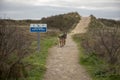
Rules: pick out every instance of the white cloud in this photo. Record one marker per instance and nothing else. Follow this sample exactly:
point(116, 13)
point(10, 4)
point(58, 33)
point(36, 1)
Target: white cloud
point(81, 4)
point(87, 6)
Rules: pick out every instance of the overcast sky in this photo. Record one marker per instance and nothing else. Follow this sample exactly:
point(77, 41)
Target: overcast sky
point(36, 9)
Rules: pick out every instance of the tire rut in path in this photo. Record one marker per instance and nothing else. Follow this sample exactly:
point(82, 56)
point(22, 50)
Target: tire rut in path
point(63, 63)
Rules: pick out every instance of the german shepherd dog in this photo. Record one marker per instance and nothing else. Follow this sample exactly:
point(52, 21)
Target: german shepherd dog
point(62, 39)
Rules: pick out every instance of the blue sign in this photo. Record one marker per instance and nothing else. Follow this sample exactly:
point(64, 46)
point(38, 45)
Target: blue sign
point(38, 27)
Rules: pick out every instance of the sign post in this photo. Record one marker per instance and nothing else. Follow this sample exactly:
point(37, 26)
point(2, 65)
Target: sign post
point(38, 41)
point(38, 28)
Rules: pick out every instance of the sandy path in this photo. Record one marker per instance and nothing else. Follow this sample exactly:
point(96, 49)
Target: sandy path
point(82, 25)
point(63, 63)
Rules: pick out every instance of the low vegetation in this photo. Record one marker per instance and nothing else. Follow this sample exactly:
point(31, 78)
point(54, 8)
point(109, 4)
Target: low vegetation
point(36, 62)
point(101, 48)
point(14, 45)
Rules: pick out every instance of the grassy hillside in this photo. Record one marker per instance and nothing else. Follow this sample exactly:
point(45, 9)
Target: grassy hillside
point(101, 48)
point(63, 22)
point(109, 22)
point(18, 22)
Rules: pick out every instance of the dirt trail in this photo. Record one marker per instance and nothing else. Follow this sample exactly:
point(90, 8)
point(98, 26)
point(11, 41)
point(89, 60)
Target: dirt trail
point(63, 63)
point(82, 25)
